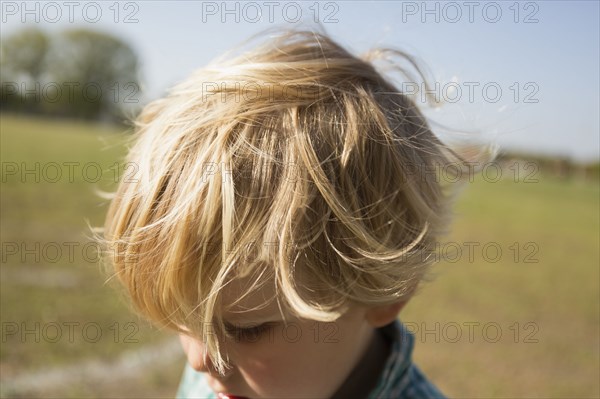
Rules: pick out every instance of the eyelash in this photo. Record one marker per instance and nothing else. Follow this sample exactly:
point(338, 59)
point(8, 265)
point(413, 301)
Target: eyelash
point(247, 334)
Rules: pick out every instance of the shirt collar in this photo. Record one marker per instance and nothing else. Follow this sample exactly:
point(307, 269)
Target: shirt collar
point(395, 375)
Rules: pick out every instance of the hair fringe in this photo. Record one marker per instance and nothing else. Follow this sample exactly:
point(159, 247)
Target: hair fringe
point(297, 144)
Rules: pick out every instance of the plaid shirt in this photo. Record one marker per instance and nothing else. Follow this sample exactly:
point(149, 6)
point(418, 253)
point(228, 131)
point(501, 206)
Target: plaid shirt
point(401, 379)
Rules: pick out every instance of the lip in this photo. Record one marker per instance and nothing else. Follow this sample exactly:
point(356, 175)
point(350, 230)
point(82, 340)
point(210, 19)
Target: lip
point(218, 388)
point(222, 395)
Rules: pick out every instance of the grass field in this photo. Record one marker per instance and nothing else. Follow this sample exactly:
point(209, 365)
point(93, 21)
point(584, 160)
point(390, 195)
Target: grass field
point(514, 314)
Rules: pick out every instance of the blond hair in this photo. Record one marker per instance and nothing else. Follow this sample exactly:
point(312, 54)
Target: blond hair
point(296, 163)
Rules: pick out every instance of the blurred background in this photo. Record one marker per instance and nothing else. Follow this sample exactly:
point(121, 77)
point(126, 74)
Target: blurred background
point(514, 310)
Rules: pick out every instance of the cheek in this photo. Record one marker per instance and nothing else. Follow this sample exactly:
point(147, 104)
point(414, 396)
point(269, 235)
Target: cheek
point(280, 365)
point(268, 366)
point(194, 352)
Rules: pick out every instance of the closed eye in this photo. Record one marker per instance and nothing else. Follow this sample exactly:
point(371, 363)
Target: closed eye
point(246, 334)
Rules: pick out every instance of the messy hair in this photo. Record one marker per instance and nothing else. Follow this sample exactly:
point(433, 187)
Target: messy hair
point(295, 163)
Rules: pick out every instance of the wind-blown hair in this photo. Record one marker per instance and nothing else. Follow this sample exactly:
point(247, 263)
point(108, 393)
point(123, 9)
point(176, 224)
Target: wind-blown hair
point(296, 163)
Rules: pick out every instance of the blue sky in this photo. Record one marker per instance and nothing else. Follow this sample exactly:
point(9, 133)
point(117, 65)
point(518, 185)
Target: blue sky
point(552, 59)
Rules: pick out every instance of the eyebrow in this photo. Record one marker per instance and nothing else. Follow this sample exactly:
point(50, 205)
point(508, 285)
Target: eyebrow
point(250, 320)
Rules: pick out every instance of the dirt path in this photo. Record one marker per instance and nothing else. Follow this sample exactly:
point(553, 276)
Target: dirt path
point(127, 366)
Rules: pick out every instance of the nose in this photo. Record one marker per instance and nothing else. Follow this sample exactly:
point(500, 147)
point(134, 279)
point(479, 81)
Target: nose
point(196, 354)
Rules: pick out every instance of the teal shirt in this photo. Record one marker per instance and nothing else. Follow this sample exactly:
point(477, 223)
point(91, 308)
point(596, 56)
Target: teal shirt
point(400, 378)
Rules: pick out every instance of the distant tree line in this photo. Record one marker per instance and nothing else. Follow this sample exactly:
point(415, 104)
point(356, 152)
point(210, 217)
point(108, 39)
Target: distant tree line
point(75, 73)
point(531, 167)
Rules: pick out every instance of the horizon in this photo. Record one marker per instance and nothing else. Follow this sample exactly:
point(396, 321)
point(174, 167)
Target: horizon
point(513, 77)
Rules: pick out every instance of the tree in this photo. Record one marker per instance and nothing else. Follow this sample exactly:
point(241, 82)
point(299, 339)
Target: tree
point(25, 53)
point(101, 69)
point(81, 73)
point(22, 60)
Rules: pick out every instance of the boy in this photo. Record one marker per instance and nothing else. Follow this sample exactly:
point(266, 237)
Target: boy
point(282, 216)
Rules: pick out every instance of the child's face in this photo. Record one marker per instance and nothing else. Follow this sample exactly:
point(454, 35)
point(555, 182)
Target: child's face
point(306, 359)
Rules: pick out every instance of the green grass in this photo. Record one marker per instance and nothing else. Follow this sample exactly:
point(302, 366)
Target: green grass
point(559, 294)
point(64, 285)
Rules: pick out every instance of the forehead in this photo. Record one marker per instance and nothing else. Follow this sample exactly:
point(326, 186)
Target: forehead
point(245, 301)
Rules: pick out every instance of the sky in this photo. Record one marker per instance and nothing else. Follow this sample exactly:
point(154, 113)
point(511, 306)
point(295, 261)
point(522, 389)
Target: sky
point(522, 74)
